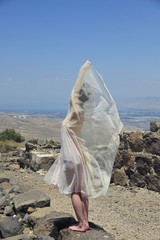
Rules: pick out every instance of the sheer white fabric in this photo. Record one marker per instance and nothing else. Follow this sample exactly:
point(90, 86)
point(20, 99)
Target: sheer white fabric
point(89, 138)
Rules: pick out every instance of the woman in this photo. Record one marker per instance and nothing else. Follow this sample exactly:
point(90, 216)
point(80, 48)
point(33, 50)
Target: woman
point(89, 142)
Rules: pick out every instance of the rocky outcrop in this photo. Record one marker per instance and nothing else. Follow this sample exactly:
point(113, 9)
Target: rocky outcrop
point(95, 233)
point(138, 159)
point(39, 156)
point(56, 225)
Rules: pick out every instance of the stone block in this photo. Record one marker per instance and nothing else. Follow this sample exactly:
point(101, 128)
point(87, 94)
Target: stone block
point(38, 214)
point(9, 226)
point(30, 146)
point(45, 213)
point(41, 160)
point(31, 198)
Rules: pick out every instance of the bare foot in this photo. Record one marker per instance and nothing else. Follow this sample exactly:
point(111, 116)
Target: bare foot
point(79, 228)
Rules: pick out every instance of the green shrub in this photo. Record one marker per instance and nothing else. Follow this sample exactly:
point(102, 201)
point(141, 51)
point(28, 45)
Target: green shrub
point(6, 148)
point(11, 134)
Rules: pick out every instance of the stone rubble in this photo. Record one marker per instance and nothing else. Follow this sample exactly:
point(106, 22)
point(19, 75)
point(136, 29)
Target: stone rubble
point(27, 215)
point(137, 162)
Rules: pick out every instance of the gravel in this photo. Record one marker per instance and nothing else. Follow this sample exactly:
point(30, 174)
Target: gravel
point(126, 214)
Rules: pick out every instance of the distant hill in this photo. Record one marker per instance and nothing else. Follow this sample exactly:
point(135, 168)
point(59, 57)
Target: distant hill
point(145, 103)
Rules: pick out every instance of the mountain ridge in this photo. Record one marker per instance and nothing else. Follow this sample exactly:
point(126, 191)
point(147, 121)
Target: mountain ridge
point(145, 103)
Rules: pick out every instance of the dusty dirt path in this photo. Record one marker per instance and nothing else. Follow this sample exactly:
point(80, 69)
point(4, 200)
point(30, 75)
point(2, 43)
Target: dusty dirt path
point(127, 214)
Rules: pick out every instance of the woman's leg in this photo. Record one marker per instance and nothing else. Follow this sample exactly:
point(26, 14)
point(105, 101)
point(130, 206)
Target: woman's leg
point(81, 209)
point(86, 205)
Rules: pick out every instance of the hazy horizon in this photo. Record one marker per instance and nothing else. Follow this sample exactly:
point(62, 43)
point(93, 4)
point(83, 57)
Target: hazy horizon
point(143, 103)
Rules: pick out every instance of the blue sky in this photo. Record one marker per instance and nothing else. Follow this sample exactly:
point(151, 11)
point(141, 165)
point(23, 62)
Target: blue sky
point(43, 44)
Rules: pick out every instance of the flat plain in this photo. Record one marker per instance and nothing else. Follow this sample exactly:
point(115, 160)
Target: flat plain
point(38, 127)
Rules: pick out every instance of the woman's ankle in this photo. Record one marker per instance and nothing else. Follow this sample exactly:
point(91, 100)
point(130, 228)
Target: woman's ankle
point(84, 223)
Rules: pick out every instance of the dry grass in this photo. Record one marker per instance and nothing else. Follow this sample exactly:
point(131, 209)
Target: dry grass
point(11, 143)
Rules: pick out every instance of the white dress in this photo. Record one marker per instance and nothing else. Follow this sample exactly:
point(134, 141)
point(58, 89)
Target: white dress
point(89, 138)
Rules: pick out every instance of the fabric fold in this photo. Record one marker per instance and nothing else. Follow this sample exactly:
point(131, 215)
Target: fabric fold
point(89, 138)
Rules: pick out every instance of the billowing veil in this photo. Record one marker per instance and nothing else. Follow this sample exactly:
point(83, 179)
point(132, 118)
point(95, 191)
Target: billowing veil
point(89, 138)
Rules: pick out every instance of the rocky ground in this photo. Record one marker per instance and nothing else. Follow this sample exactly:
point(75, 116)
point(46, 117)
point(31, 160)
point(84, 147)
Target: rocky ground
point(126, 214)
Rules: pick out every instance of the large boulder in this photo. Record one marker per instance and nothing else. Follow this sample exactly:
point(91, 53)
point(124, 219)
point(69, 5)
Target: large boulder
point(28, 199)
point(95, 233)
point(56, 225)
point(51, 224)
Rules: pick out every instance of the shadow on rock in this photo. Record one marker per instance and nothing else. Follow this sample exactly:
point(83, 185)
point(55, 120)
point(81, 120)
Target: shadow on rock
point(57, 228)
point(94, 233)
